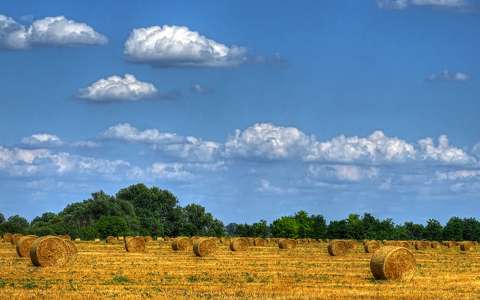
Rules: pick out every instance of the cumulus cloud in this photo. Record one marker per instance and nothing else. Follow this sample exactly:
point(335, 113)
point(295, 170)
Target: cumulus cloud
point(117, 88)
point(402, 4)
point(26, 162)
point(449, 76)
point(43, 140)
point(178, 46)
point(186, 147)
point(443, 152)
point(50, 31)
point(264, 140)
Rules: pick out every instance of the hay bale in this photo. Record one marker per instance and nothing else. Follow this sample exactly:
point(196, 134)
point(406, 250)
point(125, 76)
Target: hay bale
point(239, 244)
point(7, 237)
point(181, 244)
point(15, 238)
point(160, 239)
point(434, 245)
point(371, 246)
point(467, 246)
point(49, 251)
point(421, 245)
point(204, 247)
point(77, 240)
point(23, 245)
point(111, 240)
point(135, 244)
point(393, 263)
point(65, 237)
point(287, 243)
point(338, 247)
point(352, 245)
point(148, 239)
point(259, 242)
point(71, 250)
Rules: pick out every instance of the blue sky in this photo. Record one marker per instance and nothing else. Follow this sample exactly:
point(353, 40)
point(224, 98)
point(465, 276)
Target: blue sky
point(252, 109)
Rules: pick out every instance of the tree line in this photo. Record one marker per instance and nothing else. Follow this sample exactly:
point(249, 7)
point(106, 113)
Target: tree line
point(139, 210)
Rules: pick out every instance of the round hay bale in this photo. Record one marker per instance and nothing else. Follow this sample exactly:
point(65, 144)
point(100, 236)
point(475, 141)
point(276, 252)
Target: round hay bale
point(371, 246)
point(96, 240)
point(467, 246)
point(287, 244)
point(77, 240)
point(337, 248)
point(147, 238)
point(160, 239)
point(204, 247)
point(65, 237)
point(434, 245)
point(260, 242)
point(181, 244)
point(110, 240)
point(239, 244)
point(71, 250)
point(15, 238)
point(7, 237)
point(352, 245)
point(135, 244)
point(421, 245)
point(393, 263)
point(23, 245)
point(49, 251)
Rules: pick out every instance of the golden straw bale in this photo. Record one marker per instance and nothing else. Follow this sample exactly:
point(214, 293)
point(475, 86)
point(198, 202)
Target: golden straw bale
point(422, 245)
point(147, 238)
point(49, 251)
point(287, 243)
point(23, 245)
point(435, 245)
point(393, 263)
point(239, 244)
point(371, 246)
point(135, 244)
point(337, 247)
point(7, 237)
point(467, 246)
point(71, 250)
point(204, 247)
point(181, 244)
point(260, 242)
point(15, 237)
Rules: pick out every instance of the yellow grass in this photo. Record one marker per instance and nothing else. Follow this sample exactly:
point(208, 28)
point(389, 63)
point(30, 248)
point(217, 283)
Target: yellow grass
point(306, 272)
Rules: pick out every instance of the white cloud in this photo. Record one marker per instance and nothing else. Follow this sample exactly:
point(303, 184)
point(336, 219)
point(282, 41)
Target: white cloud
point(200, 89)
point(346, 173)
point(178, 46)
point(171, 171)
point(458, 175)
point(126, 88)
point(26, 162)
point(265, 186)
point(50, 31)
point(264, 140)
point(42, 139)
point(375, 148)
point(449, 76)
point(85, 144)
point(188, 148)
point(443, 152)
point(402, 4)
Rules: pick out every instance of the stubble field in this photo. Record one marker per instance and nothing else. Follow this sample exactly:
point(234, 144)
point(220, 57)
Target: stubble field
point(306, 272)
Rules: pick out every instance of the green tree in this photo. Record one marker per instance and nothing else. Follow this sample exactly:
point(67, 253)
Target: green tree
point(196, 221)
point(319, 227)
point(16, 224)
point(337, 230)
point(112, 225)
point(453, 230)
point(471, 229)
point(261, 229)
point(286, 227)
point(433, 230)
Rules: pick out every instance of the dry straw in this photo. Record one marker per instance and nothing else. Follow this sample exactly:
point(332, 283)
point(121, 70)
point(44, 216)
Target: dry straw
point(287, 244)
point(7, 237)
point(147, 238)
point(467, 246)
point(260, 242)
point(393, 263)
point(371, 246)
point(49, 251)
point(422, 245)
point(135, 244)
point(181, 244)
point(435, 245)
point(15, 238)
point(71, 250)
point(204, 247)
point(239, 244)
point(338, 247)
point(111, 240)
point(23, 245)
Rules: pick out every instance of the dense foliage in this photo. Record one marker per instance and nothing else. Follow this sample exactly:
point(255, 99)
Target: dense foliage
point(139, 210)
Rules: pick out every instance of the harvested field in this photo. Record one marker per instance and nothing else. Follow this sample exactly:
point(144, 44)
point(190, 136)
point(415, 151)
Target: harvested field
point(104, 270)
